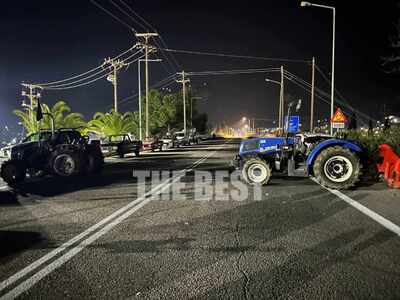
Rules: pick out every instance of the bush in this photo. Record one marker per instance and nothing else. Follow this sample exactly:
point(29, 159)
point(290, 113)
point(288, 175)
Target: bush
point(371, 142)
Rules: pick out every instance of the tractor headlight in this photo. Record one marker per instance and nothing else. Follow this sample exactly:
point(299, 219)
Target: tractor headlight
point(5, 152)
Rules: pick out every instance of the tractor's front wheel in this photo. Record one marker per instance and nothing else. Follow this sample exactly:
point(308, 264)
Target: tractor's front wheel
point(65, 162)
point(13, 172)
point(256, 172)
point(337, 168)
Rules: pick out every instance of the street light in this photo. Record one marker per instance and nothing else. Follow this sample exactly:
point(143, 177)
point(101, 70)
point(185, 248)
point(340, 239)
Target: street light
point(273, 81)
point(307, 4)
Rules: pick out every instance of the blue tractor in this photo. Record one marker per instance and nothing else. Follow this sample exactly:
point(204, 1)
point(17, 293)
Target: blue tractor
point(335, 163)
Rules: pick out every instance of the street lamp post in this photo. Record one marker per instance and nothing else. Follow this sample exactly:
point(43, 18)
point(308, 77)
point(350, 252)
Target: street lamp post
point(306, 4)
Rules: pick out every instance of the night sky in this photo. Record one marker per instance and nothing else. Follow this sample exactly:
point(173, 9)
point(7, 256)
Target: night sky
point(52, 40)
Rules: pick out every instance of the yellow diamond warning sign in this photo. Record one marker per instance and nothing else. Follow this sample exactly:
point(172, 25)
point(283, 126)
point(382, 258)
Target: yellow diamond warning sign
point(339, 117)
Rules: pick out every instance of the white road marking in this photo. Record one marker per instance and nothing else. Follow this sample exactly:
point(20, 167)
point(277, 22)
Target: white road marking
point(366, 211)
point(3, 188)
point(118, 216)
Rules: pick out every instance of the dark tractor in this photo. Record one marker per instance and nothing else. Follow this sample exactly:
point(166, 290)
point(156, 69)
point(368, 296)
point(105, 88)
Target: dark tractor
point(335, 163)
point(62, 152)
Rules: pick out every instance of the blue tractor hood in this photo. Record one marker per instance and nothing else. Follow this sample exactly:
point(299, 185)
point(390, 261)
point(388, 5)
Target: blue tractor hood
point(263, 145)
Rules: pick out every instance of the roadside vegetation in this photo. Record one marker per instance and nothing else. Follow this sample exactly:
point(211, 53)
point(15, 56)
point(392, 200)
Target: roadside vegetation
point(165, 113)
point(63, 117)
point(371, 141)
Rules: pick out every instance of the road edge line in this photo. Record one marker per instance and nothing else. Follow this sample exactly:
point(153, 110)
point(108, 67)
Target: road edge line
point(389, 225)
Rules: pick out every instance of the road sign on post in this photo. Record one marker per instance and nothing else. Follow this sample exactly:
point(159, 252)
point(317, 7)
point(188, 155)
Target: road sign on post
point(293, 126)
point(338, 120)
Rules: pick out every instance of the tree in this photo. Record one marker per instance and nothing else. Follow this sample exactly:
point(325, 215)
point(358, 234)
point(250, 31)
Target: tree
point(61, 112)
point(114, 123)
point(353, 122)
point(391, 62)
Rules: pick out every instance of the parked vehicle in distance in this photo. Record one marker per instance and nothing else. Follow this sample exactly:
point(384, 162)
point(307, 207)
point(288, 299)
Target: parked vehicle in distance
point(194, 138)
point(181, 139)
point(168, 141)
point(152, 144)
point(63, 152)
point(120, 144)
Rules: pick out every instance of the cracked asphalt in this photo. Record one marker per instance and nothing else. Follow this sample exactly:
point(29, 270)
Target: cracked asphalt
point(291, 240)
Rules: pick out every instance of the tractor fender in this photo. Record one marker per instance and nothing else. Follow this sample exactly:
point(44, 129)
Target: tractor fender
point(348, 144)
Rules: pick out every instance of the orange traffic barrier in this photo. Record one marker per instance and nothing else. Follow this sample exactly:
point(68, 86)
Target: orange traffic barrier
point(390, 166)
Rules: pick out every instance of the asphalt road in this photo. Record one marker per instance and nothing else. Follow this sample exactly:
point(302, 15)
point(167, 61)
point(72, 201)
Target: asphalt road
point(96, 237)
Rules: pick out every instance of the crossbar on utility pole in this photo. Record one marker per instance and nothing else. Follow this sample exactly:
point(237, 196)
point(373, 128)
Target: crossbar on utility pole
point(183, 81)
point(146, 46)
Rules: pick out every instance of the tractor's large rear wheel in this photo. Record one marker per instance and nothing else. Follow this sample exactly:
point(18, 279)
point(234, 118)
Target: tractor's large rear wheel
point(256, 172)
point(337, 168)
point(13, 172)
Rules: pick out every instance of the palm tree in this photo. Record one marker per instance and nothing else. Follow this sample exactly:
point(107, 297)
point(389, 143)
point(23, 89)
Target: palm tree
point(61, 112)
point(114, 123)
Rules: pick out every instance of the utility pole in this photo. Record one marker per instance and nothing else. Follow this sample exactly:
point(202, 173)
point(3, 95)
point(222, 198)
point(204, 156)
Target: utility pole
point(147, 49)
point(281, 103)
point(32, 95)
point(115, 65)
point(140, 95)
point(183, 80)
point(140, 102)
point(312, 95)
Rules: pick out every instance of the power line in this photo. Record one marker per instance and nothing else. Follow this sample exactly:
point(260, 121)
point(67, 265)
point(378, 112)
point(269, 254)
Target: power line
point(149, 26)
point(328, 81)
point(138, 16)
point(236, 56)
point(112, 15)
point(340, 101)
point(305, 85)
point(82, 74)
point(90, 76)
point(233, 72)
point(91, 81)
point(124, 12)
point(162, 83)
